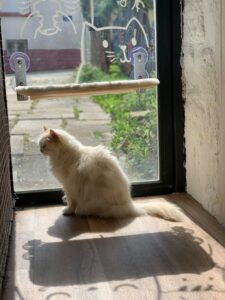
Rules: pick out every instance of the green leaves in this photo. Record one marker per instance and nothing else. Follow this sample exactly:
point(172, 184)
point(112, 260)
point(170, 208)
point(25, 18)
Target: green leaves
point(134, 122)
point(133, 135)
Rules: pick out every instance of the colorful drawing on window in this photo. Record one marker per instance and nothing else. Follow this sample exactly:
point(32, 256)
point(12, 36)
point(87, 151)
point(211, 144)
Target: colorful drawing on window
point(101, 45)
point(136, 5)
point(122, 3)
point(48, 25)
point(115, 41)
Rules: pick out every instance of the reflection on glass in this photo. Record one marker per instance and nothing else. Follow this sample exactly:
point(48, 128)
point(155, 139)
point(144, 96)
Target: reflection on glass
point(83, 41)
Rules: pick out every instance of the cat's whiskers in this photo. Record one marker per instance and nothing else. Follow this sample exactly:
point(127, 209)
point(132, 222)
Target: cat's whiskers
point(110, 55)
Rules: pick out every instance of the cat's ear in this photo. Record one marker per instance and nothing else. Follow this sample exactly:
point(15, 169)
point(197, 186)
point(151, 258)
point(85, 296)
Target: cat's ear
point(134, 23)
point(45, 128)
point(53, 134)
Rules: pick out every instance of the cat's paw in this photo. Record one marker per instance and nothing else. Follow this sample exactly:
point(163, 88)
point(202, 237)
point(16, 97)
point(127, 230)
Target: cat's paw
point(68, 211)
point(64, 199)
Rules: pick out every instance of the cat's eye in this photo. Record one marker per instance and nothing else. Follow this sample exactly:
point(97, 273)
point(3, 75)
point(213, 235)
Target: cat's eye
point(105, 44)
point(134, 41)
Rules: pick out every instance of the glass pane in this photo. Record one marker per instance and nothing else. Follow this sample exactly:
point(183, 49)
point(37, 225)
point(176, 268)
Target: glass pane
point(82, 41)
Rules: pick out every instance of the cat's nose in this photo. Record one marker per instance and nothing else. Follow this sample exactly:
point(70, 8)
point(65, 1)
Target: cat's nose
point(123, 47)
point(124, 59)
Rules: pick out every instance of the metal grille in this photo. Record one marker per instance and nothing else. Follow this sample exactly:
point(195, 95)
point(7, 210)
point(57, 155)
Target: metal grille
point(6, 199)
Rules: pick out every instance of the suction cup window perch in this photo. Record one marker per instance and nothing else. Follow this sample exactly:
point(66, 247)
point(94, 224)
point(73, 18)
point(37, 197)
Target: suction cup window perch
point(86, 89)
point(138, 83)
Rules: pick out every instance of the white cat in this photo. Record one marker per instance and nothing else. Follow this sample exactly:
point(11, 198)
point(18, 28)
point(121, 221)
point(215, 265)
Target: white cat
point(93, 181)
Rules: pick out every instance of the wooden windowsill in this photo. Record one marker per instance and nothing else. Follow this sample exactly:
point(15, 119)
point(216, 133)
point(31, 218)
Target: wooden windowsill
point(146, 257)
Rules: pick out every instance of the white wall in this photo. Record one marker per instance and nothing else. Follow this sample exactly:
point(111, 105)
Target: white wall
point(204, 93)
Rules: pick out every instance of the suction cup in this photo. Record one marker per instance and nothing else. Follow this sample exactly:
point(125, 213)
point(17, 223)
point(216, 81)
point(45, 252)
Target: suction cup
point(140, 50)
point(19, 55)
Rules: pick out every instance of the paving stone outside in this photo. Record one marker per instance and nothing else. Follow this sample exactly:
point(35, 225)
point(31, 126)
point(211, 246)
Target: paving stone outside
point(45, 115)
point(94, 116)
point(32, 173)
point(17, 144)
point(33, 128)
point(92, 133)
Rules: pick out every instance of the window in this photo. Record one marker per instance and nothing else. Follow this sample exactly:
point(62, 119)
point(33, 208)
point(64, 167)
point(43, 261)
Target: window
point(16, 46)
point(112, 40)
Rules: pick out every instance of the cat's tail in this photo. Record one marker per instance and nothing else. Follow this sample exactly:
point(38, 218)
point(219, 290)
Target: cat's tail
point(162, 209)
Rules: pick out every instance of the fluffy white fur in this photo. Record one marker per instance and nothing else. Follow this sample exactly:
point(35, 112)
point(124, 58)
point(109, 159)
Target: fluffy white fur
point(93, 181)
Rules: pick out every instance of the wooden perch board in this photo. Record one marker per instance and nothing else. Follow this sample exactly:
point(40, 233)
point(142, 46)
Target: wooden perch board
point(86, 89)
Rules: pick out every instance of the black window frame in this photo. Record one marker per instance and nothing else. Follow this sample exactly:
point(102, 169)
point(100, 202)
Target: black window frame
point(170, 112)
point(170, 102)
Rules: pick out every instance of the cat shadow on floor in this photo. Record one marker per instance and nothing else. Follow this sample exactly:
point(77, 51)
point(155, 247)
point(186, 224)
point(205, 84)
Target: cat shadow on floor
point(89, 260)
point(68, 227)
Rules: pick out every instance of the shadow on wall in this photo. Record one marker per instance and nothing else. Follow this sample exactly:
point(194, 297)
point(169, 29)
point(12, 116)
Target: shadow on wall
point(101, 259)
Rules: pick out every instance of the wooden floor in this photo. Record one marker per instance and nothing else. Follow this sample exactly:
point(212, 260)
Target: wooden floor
point(57, 257)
